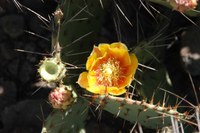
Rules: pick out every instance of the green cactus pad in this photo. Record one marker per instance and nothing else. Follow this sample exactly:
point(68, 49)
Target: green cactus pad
point(71, 120)
point(149, 115)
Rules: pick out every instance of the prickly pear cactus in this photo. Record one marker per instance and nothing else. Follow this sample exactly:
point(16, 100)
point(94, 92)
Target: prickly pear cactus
point(155, 113)
point(83, 21)
point(151, 115)
point(73, 21)
point(71, 120)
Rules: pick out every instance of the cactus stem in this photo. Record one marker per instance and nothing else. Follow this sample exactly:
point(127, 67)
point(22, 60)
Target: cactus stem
point(139, 111)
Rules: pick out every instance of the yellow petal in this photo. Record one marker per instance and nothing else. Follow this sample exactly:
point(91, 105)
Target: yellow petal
point(102, 90)
point(124, 81)
point(130, 69)
point(92, 80)
point(97, 52)
point(103, 47)
point(83, 80)
point(120, 55)
point(91, 86)
point(97, 89)
point(93, 56)
point(116, 91)
point(134, 63)
point(119, 45)
point(119, 51)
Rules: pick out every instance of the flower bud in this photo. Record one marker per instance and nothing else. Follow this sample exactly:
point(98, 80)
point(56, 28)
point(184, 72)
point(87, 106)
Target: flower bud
point(183, 5)
point(62, 97)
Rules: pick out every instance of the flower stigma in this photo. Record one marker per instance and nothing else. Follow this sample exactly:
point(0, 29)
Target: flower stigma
point(108, 73)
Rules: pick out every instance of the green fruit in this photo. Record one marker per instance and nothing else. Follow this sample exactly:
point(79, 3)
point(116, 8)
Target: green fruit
point(52, 70)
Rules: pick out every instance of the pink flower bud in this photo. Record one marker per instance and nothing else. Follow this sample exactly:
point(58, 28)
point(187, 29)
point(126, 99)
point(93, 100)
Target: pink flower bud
point(62, 97)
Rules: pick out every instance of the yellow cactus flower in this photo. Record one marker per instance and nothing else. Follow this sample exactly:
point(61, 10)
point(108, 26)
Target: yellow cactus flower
point(110, 68)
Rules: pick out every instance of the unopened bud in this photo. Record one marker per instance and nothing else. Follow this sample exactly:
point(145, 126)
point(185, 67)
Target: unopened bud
point(62, 97)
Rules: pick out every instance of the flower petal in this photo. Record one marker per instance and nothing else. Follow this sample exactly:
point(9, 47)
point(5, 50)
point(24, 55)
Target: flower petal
point(124, 81)
point(131, 69)
point(93, 56)
point(103, 47)
point(119, 45)
point(83, 80)
point(97, 89)
point(134, 63)
point(120, 54)
point(116, 91)
point(96, 53)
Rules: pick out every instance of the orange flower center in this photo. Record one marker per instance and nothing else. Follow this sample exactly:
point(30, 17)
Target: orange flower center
point(108, 73)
